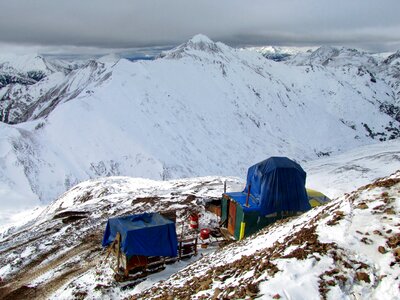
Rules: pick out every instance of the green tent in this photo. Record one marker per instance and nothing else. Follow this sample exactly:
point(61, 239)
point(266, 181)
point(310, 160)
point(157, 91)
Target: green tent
point(240, 220)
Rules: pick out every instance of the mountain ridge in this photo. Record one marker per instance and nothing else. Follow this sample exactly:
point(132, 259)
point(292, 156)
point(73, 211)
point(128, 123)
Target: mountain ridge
point(202, 108)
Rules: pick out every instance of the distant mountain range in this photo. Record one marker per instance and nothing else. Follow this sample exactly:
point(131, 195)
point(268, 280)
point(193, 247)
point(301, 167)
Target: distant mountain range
point(202, 108)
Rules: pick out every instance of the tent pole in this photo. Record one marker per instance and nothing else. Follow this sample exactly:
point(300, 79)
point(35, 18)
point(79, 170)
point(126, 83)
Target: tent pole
point(118, 239)
point(248, 196)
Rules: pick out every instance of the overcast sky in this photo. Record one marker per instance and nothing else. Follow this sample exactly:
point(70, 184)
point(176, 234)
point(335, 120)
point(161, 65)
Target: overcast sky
point(91, 25)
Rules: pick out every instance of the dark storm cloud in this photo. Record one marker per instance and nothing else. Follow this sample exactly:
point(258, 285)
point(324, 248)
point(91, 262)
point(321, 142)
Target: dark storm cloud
point(131, 23)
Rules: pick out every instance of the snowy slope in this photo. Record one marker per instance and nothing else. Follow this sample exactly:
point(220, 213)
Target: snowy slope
point(363, 165)
point(347, 248)
point(31, 86)
point(200, 109)
point(391, 70)
point(346, 61)
point(57, 253)
point(280, 53)
point(330, 56)
point(63, 242)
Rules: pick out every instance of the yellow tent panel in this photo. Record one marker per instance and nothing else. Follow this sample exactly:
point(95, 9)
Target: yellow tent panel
point(316, 198)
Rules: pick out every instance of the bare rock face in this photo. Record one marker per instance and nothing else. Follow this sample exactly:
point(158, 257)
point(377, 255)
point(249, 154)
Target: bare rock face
point(34, 94)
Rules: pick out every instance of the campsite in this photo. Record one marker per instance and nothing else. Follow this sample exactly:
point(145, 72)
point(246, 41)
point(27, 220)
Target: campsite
point(199, 150)
point(59, 255)
point(143, 243)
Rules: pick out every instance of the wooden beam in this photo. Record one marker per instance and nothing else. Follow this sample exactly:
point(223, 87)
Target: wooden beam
point(118, 244)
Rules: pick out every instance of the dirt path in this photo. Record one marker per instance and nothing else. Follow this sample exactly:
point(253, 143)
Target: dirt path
point(26, 242)
point(45, 290)
point(87, 255)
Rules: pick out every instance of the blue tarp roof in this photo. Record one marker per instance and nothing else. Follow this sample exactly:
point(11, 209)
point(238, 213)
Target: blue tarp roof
point(277, 184)
point(148, 234)
point(240, 197)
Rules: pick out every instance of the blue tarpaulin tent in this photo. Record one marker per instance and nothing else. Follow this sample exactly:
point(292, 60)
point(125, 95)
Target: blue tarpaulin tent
point(148, 234)
point(277, 190)
point(277, 184)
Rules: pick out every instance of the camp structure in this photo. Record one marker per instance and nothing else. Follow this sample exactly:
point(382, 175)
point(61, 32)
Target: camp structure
point(142, 243)
point(316, 198)
point(275, 189)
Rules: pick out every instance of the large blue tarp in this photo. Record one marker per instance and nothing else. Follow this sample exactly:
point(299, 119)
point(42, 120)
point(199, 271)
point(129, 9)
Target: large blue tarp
point(148, 234)
point(277, 184)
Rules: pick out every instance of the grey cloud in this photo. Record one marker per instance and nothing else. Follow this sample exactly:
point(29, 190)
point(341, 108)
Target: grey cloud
point(131, 23)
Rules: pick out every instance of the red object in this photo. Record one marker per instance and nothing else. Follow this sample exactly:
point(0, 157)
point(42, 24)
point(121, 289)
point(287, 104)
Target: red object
point(204, 233)
point(194, 221)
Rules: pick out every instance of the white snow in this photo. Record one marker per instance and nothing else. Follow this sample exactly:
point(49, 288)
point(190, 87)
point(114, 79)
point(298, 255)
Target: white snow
point(202, 109)
point(23, 63)
point(353, 239)
point(345, 172)
point(298, 279)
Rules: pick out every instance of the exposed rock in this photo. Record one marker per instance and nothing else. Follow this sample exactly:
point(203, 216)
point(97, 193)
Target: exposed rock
point(362, 205)
point(362, 276)
point(393, 241)
point(382, 249)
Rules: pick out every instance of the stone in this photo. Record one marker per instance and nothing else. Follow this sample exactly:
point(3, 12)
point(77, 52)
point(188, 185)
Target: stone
point(382, 249)
point(217, 291)
point(393, 241)
point(396, 252)
point(389, 211)
point(362, 276)
point(331, 282)
point(362, 205)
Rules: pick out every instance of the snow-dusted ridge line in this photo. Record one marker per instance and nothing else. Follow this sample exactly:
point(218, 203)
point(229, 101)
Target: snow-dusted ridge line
point(204, 108)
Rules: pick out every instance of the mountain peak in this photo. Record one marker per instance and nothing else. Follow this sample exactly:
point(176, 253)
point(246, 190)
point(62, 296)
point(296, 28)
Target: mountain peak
point(335, 57)
point(392, 57)
point(199, 42)
point(324, 53)
point(24, 62)
point(109, 58)
point(200, 38)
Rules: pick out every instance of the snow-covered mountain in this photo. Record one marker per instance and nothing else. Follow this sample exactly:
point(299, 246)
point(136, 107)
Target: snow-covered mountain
point(31, 85)
point(276, 53)
point(200, 109)
point(344, 60)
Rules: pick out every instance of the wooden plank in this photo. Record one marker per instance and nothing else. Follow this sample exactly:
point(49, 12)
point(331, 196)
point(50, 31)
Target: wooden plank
point(232, 217)
point(118, 245)
point(226, 233)
point(180, 250)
